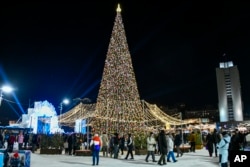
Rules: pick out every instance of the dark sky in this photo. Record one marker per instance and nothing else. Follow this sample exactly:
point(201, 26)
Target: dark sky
point(49, 51)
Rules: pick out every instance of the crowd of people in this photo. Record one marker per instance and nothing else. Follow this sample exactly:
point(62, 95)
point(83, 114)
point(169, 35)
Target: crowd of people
point(162, 143)
point(225, 142)
point(12, 142)
point(218, 143)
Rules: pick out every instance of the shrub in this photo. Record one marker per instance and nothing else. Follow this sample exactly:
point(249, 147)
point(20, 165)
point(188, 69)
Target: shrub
point(140, 141)
point(51, 141)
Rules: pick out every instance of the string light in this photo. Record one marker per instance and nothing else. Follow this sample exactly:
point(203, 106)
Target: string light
point(118, 107)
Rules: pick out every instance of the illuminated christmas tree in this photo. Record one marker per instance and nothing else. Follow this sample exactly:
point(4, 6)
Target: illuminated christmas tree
point(118, 107)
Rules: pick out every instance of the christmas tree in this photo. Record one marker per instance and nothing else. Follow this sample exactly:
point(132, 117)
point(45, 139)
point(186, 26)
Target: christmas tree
point(118, 107)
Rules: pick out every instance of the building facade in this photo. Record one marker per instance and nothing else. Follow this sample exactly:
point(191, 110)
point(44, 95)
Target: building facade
point(229, 92)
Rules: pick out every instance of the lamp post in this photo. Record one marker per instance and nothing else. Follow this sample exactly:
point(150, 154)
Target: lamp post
point(65, 101)
point(4, 89)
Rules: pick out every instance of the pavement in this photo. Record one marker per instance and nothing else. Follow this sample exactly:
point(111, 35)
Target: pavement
point(199, 158)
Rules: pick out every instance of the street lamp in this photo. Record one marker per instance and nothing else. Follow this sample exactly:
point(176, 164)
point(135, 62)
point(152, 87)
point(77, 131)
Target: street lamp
point(4, 89)
point(65, 101)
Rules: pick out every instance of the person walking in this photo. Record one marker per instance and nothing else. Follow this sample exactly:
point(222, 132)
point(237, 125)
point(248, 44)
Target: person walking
point(70, 144)
point(235, 141)
point(216, 139)
point(65, 143)
point(163, 147)
point(209, 143)
point(158, 152)
point(192, 141)
point(20, 140)
point(177, 143)
point(105, 142)
point(95, 144)
point(170, 146)
point(34, 142)
point(111, 145)
point(151, 143)
point(223, 147)
point(130, 147)
point(116, 145)
point(122, 144)
point(26, 139)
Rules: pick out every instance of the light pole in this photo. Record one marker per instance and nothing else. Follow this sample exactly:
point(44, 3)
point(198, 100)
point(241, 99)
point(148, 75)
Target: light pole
point(4, 89)
point(65, 101)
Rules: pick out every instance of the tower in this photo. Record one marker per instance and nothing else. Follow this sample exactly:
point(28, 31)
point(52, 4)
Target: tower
point(229, 92)
point(118, 107)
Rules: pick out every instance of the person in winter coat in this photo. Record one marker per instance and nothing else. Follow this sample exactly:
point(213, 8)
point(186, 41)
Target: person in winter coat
point(20, 140)
point(95, 144)
point(177, 143)
point(163, 147)
point(223, 146)
point(70, 141)
point(34, 142)
point(11, 141)
point(170, 145)
point(235, 141)
point(116, 145)
point(151, 143)
point(210, 143)
point(26, 139)
point(105, 143)
point(192, 139)
point(122, 144)
point(111, 145)
point(216, 140)
point(130, 147)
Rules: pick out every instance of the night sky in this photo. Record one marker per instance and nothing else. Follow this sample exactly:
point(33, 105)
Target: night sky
point(49, 51)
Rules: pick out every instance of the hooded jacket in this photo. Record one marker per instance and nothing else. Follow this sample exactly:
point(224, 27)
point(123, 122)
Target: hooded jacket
point(223, 147)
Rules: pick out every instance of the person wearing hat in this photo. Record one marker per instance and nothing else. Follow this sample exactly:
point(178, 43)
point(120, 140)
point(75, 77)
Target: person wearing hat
point(223, 147)
point(15, 159)
point(151, 143)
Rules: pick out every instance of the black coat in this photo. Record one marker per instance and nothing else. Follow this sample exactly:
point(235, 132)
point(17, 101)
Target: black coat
point(210, 143)
point(235, 143)
point(177, 140)
point(163, 143)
